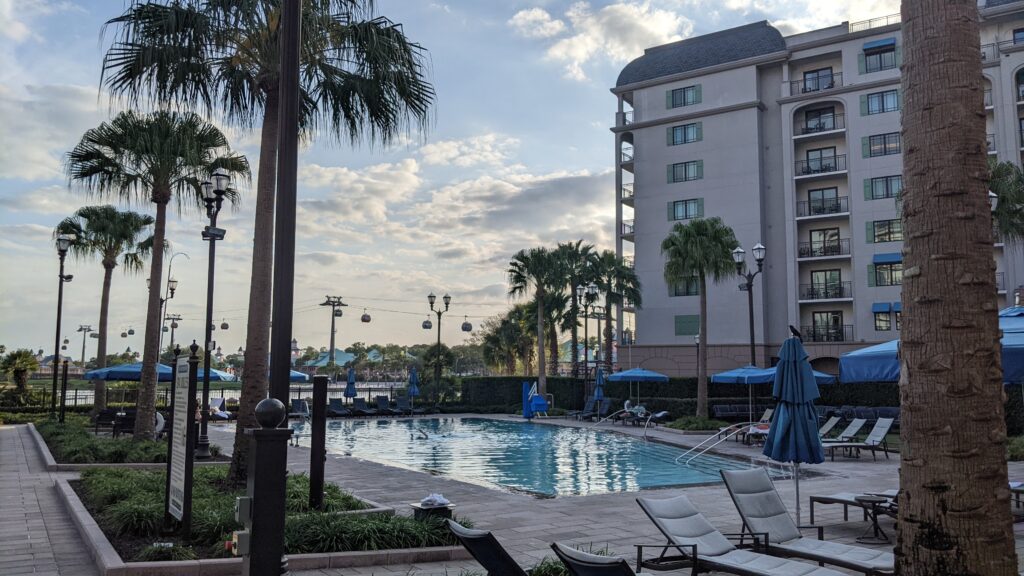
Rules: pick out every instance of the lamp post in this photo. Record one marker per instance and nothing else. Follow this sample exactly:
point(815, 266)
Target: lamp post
point(336, 304)
point(591, 295)
point(581, 290)
point(213, 197)
point(64, 242)
point(172, 285)
point(696, 341)
point(748, 284)
point(437, 359)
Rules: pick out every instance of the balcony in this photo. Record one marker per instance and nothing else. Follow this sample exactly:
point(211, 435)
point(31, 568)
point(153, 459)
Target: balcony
point(627, 231)
point(990, 143)
point(824, 249)
point(824, 125)
point(626, 194)
point(626, 156)
point(874, 23)
point(823, 207)
point(989, 53)
point(818, 84)
point(988, 98)
point(834, 291)
point(628, 261)
point(842, 333)
point(1000, 282)
point(820, 166)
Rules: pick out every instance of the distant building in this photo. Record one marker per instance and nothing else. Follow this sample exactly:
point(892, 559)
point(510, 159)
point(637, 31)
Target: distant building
point(794, 141)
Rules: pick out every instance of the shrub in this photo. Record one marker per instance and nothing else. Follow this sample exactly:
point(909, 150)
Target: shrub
point(140, 515)
point(1015, 449)
point(311, 533)
point(549, 567)
point(695, 423)
point(73, 443)
point(165, 553)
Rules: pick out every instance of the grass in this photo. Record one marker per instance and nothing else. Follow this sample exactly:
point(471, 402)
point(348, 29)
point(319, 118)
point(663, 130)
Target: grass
point(696, 423)
point(128, 506)
point(73, 443)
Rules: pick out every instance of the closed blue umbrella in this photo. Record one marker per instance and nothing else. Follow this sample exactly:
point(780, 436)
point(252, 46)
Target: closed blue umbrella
point(793, 436)
point(599, 385)
point(350, 387)
point(414, 384)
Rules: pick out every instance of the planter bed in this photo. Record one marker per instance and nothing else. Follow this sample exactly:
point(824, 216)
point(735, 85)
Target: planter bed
point(118, 515)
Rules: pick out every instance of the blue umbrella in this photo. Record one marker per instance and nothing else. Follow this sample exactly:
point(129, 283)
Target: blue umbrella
point(637, 375)
point(793, 436)
point(216, 375)
point(296, 376)
point(599, 385)
point(755, 375)
point(414, 383)
point(350, 388)
point(129, 373)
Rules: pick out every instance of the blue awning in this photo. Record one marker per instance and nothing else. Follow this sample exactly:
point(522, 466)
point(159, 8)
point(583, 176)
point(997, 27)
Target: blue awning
point(880, 43)
point(897, 306)
point(888, 258)
point(880, 308)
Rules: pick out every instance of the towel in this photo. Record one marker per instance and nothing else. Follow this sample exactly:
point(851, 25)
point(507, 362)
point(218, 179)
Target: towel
point(434, 501)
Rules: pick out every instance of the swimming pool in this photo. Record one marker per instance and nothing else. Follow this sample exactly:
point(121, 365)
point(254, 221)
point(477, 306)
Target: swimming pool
point(540, 459)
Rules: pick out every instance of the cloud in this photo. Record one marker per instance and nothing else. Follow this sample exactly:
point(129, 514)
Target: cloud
point(536, 23)
point(361, 196)
point(18, 16)
point(487, 149)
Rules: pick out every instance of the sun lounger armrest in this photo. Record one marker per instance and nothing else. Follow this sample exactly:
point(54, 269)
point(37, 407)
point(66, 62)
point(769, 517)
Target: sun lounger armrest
point(760, 538)
point(689, 557)
point(818, 527)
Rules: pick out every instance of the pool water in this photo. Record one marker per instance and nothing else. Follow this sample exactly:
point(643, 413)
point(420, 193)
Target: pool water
point(539, 459)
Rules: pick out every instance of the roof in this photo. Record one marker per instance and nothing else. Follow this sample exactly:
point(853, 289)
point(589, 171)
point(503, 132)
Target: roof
point(340, 359)
point(734, 44)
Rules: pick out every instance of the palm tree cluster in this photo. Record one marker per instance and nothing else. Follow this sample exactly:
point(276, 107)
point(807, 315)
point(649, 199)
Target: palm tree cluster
point(554, 280)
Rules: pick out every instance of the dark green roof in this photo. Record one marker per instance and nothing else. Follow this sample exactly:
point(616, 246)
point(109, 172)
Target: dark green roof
point(712, 49)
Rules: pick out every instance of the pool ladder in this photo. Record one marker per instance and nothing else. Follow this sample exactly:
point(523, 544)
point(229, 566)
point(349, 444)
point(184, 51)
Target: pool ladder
point(722, 436)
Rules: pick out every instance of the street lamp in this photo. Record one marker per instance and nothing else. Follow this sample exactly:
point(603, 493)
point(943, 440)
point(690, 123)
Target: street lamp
point(172, 285)
point(437, 359)
point(591, 291)
point(738, 257)
point(213, 198)
point(64, 242)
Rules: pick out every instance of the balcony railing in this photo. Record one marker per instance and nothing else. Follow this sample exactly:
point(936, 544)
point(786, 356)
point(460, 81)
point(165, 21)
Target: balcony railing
point(874, 23)
point(1020, 135)
point(823, 206)
point(627, 117)
point(842, 333)
point(627, 227)
point(1000, 284)
point(988, 98)
point(821, 124)
point(989, 53)
point(628, 261)
point(627, 191)
point(840, 247)
point(816, 84)
point(831, 291)
point(824, 165)
point(990, 142)
point(1020, 92)
point(626, 155)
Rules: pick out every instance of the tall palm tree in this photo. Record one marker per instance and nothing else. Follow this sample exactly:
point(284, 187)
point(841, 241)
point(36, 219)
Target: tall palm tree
point(576, 258)
point(701, 248)
point(954, 513)
point(1006, 181)
point(112, 235)
point(156, 158)
point(361, 79)
point(617, 283)
point(536, 271)
point(555, 316)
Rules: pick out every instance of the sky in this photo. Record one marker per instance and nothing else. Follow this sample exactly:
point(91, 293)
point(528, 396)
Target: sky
point(518, 154)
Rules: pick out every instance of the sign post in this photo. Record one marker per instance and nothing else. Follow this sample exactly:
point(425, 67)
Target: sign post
point(183, 441)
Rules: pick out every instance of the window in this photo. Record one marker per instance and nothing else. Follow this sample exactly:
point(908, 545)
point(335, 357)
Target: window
point(880, 102)
point(684, 96)
point(878, 59)
point(889, 274)
point(887, 231)
point(826, 284)
point(820, 120)
point(686, 209)
point(898, 314)
point(820, 79)
point(687, 325)
point(688, 287)
point(827, 327)
point(684, 134)
point(824, 242)
point(883, 321)
point(883, 144)
point(823, 201)
point(884, 187)
point(686, 171)
point(1018, 36)
point(821, 159)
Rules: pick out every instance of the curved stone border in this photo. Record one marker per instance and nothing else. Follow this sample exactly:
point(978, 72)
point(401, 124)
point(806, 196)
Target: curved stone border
point(109, 562)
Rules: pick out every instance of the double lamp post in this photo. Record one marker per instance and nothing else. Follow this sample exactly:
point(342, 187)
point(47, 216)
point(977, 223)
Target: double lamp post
point(64, 242)
point(738, 256)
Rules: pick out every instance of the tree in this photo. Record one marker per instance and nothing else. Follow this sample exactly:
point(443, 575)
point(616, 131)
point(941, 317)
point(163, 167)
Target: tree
point(618, 283)
point(156, 157)
point(112, 235)
point(1006, 181)
point(500, 344)
point(577, 258)
point(555, 317)
point(701, 248)
point(536, 270)
point(360, 77)
point(954, 513)
point(18, 365)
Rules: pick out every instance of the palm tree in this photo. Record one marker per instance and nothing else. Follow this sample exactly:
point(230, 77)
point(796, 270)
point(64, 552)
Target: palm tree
point(577, 258)
point(536, 270)
point(522, 330)
point(155, 158)
point(18, 365)
point(1006, 181)
point(617, 283)
point(701, 248)
point(361, 78)
point(500, 343)
point(555, 317)
point(954, 513)
point(112, 235)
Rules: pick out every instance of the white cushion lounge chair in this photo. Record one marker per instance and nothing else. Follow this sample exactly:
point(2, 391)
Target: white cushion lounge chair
point(828, 425)
point(706, 549)
point(762, 511)
point(850, 432)
point(874, 442)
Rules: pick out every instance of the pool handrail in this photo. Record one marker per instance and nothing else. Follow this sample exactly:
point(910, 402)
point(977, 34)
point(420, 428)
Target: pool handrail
point(728, 431)
point(612, 415)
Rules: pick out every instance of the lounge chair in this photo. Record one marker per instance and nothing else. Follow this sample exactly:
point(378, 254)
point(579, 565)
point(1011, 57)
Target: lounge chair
point(486, 550)
point(384, 407)
point(336, 408)
point(582, 563)
point(706, 549)
point(759, 430)
point(300, 409)
point(601, 412)
point(848, 499)
point(851, 431)
point(762, 511)
point(874, 442)
point(828, 426)
point(588, 406)
point(218, 410)
point(402, 404)
point(105, 419)
point(124, 423)
point(359, 408)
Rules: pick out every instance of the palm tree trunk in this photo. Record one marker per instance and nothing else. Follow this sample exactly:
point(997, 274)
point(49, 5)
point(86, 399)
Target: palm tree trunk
point(954, 513)
point(542, 383)
point(574, 331)
point(702, 371)
point(99, 385)
point(553, 349)
point(255, 366)
point(145, 405)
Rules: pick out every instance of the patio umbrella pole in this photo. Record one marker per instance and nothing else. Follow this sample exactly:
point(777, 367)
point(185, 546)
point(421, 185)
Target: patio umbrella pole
point(796, 482)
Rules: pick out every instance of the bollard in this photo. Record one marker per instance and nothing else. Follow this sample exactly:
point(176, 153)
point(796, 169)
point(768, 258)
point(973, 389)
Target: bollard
point(318, 452)
point(262, 510)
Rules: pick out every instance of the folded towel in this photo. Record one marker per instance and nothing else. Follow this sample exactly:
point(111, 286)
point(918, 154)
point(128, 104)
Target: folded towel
point(434, 501)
